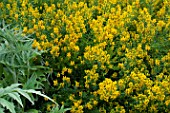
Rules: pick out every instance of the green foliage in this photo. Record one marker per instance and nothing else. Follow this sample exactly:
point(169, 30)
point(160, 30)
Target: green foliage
point(59, 110)
point(19, 62)
point(14, 92)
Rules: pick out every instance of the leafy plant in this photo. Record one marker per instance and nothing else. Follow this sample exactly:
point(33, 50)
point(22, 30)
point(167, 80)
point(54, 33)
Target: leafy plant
point(13, 91)
point(19, 62)
point(58, 109)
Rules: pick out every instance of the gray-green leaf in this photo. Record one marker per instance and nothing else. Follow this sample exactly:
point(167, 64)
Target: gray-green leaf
point(39, 93)
point(23, 93)
point(16, 97)
point(1, 110)
point(10, 106)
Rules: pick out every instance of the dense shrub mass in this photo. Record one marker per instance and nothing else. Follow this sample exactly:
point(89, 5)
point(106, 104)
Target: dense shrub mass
point(105, 55)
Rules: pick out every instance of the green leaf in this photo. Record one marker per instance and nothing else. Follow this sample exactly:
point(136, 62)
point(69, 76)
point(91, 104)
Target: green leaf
point(1, 70)
point(12, 87)
point(1, 110)
point(23, 93)
point(16, 97)
point(67, 109)
point(30, 84)
point(32, 111)
point(56, 109)
point(8, 77)
point(62, 109)
point(9, 105)
point(40, 94)
point(9, 89)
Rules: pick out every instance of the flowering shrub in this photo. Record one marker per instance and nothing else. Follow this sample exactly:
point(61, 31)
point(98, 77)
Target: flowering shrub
point(105, 56)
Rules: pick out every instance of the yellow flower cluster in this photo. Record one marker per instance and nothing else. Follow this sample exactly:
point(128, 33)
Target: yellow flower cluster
point(77, 108)
point(108, 90)
point(96, 53)
point(118, 109)
point(91, 77)
point(147, 91)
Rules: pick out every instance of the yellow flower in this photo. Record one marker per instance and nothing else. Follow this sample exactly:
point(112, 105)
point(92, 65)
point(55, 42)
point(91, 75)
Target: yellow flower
point(153, 109)
point(42, 27)
point(76, 48)
point(69, 54)
point(62, 103)
point(56, 30)
point(1, 4)
point(76, 104)
point(80, 93)
point(80, 109)
point(55, 82)
point(160, 24)
point(25, 30)
point(71, 97)
point(157, 62)
point(95, 102)
point(53, 105)
point(49, 10)
point(64, 69)
point(46, 63)
point(89, 106)
point(167, 102)
point(129, 8)
point(57, 54)
point(62, 84)
point(130, 84)
point(30, 31)
point(114, 75)
point(35, 44)
point(37, 34)
point(35, 27)
point(79, 101)
point(147, 47)
point(58, 74)
point(64, 48)
point(72, 63)
point(69, 70)
point(58, 5)
point(121, 65)
point(82, 62)
point(8, 6)
point(123, 47)
point(48, 107)
point(46, 99)
point(67, 79)
point(76, 84)
point(146, 102)
point(87, 85)
point(16, 16)
point(128, 91)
